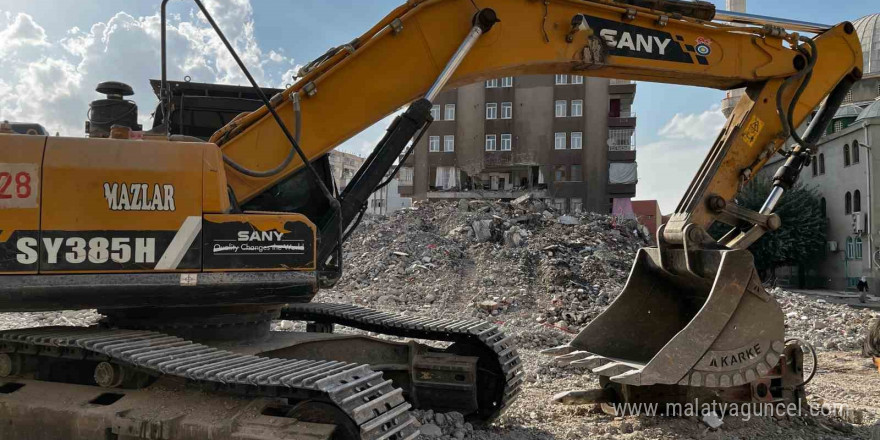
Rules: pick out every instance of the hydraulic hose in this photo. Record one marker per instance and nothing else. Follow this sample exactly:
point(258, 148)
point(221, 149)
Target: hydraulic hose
point(290, 155)
point(787, 116)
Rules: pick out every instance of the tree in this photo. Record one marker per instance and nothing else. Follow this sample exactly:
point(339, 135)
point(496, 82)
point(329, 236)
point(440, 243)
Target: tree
point(801, 239)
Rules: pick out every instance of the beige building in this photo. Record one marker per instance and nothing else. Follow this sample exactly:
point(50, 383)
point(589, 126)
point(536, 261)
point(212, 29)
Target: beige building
point(844, 173)
point(344, 166)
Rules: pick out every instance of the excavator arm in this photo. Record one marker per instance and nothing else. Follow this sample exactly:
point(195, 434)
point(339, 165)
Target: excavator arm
point(398, 60)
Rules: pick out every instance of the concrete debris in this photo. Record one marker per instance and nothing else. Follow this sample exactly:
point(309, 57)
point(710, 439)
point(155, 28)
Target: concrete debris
point(483, 230)
point(568, 220)
point(76, 318)
point(824, 325)
point(518, 261)
point(450, 425)
point(712, 420)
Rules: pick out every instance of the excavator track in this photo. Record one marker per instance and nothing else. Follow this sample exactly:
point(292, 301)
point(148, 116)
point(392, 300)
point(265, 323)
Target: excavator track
point(497, 351)
point(372, 403)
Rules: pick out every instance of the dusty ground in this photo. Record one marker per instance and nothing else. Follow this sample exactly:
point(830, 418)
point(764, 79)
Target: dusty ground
point(846, 381)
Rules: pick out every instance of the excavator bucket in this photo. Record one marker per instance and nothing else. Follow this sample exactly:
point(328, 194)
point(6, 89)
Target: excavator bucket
point(699, 318)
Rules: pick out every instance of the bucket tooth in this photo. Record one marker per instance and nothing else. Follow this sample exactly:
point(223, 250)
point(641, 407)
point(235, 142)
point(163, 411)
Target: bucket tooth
point(613, 369)
point(560, 350)
point(567, 359)
point(591, 362)
point(632, 377)
point(584, 397)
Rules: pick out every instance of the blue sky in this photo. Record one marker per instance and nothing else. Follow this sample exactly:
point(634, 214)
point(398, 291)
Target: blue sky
point(676, 124)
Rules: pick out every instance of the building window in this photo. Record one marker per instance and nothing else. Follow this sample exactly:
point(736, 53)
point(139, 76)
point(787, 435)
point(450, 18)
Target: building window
point(821, 163)
point(560, 173)
point(560, 141)
point(815, 167)
point(506, 142)
point(577, 108)
point(506, 110)
point(854, 247)
point(577, 173)
point(577, 140)
point(823, 207)
point(847, 203)
point(577, 79)
point(561, 80)
point(405, 176)
point(490, 142)
point(434, 143)
point(621, 139)
point(577, 206)
point(492, 111)
point(492, 83)
point(447, 178)
point(448, 144)
point(838, 125)
point(435, 112)
point(507, 82)
point(561, 108)
point(849, 97)
point(559, 205)
point(855, 152)
point(846, 155)
point(857, 201)
point(450, 112)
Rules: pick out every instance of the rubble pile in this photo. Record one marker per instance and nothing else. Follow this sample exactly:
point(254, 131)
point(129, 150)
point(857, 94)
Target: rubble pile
point(450, 425)
point(824, 325)
point(508, 261)
point(75, 318)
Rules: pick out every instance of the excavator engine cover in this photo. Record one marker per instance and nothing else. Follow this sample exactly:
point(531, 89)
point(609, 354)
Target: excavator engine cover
point(710, 326)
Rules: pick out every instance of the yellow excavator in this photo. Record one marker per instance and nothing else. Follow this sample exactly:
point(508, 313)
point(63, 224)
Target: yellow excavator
point(190, 248)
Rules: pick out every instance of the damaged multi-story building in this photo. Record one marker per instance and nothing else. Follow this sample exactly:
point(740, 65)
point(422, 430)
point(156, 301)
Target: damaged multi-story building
point(567, 139)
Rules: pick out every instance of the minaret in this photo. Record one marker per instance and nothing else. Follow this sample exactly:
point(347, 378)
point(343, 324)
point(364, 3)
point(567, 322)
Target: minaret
point(733, 96)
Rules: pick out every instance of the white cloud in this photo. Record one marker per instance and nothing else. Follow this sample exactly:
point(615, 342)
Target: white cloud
point(702, 126)
point(21, 33)
point(668, 165)
point(52, 82)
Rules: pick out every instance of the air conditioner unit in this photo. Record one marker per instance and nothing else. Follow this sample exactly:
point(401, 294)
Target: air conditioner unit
point(832, 246)
point(858, 223)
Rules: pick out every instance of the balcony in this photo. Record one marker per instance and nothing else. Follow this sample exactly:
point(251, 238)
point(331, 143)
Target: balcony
point(730, 101)
point(621, 147)
point(622, 144)
point(622, 119)
point(621, 87)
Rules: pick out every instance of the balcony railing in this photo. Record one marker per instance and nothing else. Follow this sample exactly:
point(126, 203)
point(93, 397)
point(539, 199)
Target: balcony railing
point(619, 147)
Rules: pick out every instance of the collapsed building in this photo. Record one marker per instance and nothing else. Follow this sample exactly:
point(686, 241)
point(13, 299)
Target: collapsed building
point(566, 139)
